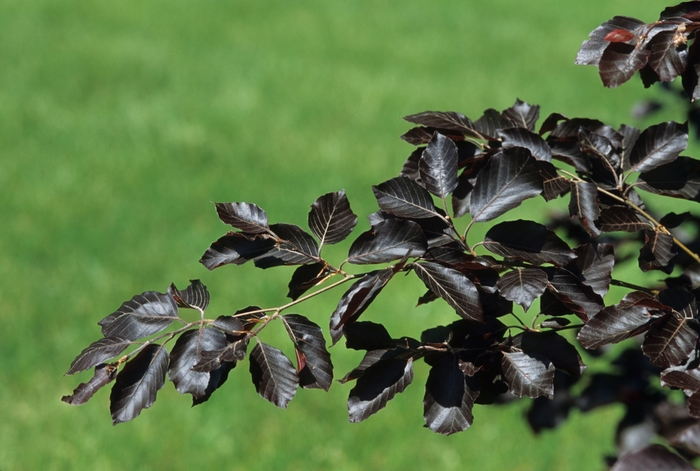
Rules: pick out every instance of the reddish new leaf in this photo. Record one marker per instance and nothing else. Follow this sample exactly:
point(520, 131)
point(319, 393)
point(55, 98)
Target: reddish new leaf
point(523, 285)
point(138, 383)
point(527, 375)
point(448, 400)
point(658, 145)
point(592, 49)
point(143, 315)
point(619, 36)
point(331, 219)
point(405, 198)
point(389, 240)
point(187, 353)
point(273, 374)
point(357, 299)
point(247, 217)
point(98, 352)
point(452, 286)
point(377, 385)
point(317, 371)
point(104, 374)
point(438, 166)
point(509, 178)
point(528, 241)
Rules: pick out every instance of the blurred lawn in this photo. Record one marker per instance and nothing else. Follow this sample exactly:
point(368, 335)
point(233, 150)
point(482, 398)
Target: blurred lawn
point(120, 123)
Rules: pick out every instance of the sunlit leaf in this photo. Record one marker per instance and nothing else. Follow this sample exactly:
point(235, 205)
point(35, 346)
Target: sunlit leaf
point(104, 374)
point(236, 248)
point(331, 219)
point(247, 217)
point(520, 137)
point(98, 352)
point(143, 315)
point(523, 115)
point(595, 263)
point(658, 145)
point(444, 120)
point(657, 251)
point(138, 383)
point(620, 61)
point(527, 375)
point(438, 166)
point(186, 353)
point(490, 123)
point(552, 346)
point(293, 247)
point(389, 240)
point(195, 296)
point(273, 374)
point(669, 341)
point(523, 285)
point(452, 286)
point(405, 198)
point(306, 277)
point(317, 371)
point(584, 205)
point(593, 48)
point(652, 458)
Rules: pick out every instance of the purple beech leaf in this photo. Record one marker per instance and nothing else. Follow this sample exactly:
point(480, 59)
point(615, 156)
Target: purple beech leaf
point(669, 341)
point(98, 352)
point(681, 301)
point(553, 184)
point(405, 198)
point(682, 10)
point(331, 219)
point(527, 375)
point(195, 296)
point(460, 197)
point(389, 240)
point(307, 336)
point(371, 357)
point(569, 151)
point(509, 178)
point(630, 135)
point(595, 263)
point(104, 374)
point(690, 78)
point(521, 137)
point(306, 277)
point(138, 383)
point(367, 336)
point(229, 325)
point(658, 145)
point(592, 49)
point(551, 122)
point(186, 353)
point(552, 346)
point(652, 458)
point(620, 62)
point(666, 60)
point(217, 378)
point(143, 315)
point(683, 378)
point(417, 137)
point(247, 217)
point(273, 374)
point(523, 286)
point(678, 179)
point(490, 123)
point(448, 120)
point(628, 318)
point(452, 286)
point(584, 205)
point(236, 248)
point(657, 251)
point(620, 218)
point(293, 247)
point(438, 166)
point(570, 291)
point(528, 241)
point(356, 300)
point(523, 115)
point(449, 397)
point(377, 385)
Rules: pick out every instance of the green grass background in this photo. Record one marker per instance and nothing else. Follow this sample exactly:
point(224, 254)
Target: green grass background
point(121, 123)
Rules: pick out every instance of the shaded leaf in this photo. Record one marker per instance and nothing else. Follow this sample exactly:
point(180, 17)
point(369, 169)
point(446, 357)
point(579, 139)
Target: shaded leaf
point(592, 49)
point(658, 145)
point(595, 264)
point(405, 198)
point(452, 286)
point(657, 251)
point(195, 296)
point(389, 240)
point(669, 341)
point(438, 166)
point(520, 137)
point(553, 184)
point(273, 374)
point(357, 299)
point(620, 61)
point(367, 336)
point(104, 374)
point(523, 115)
point(527, 375)
point(448, 400)
point(570, 291)
point(247, 217)
point(666, 59)
point(652, 458)
point(679, 179)
point(187, 353)
point(626, 319)
point(143, 315)
point(377, 385)
point(138, 383)
point(236, 248)
point(552, 346)
point(98, 352)
point(620, 218)
point(508, 179)
point(317, 371)
point(528, 241)
point(293, 247)
point(331, 219)
point(681, 301)
point(584, 205)
point(523, 285)
point(490, 123)
point(306, 277)
point(217, 378)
